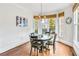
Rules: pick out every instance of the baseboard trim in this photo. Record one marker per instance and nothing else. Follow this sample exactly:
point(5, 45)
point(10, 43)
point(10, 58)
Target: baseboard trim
point(69, 44)
point(65, 42)
point(15, 47)
point(75, 49)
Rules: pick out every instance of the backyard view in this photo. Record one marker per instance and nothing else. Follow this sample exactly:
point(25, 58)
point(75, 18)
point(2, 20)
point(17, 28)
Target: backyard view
point(48, 24)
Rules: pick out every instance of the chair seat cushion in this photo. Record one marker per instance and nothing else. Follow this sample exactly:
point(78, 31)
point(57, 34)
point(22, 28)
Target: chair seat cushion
point(36, 45)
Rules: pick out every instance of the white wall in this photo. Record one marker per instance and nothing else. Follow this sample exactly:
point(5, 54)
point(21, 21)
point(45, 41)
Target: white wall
point(10, 35)
point(67, 28)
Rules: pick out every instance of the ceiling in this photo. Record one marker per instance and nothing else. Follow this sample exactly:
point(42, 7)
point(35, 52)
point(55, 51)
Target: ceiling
point(46, 7)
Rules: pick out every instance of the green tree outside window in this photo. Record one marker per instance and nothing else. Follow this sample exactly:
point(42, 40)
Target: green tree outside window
point(52, 24)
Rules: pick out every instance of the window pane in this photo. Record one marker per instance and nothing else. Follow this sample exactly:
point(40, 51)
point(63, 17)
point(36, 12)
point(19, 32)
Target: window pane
point(78, 17)
point(36, 25)
point(52, 24)
point(78, 32)
point(44, 25)
point(78, 27)
point(61, 19)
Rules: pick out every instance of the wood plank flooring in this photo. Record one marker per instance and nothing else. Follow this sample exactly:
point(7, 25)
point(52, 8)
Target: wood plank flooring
point(24, 50)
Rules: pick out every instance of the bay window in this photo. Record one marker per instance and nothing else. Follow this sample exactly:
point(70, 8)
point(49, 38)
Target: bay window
point(44, 24)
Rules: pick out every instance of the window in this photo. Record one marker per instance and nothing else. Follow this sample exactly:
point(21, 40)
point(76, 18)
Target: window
point(76, 24)
point(48, 24)
point(78, 27)
point(61, 26)
point(45, 25)
point(61, 19)
point(52, 24)
point(36, 25)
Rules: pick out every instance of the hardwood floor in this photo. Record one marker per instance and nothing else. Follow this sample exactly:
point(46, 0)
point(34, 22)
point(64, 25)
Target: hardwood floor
point(24, 50)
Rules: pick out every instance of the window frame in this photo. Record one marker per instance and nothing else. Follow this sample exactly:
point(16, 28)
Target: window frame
point(60, 26)
point(76, 24)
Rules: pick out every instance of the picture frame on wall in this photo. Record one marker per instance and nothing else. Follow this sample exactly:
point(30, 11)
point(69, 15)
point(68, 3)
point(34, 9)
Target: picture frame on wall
point(21, 21)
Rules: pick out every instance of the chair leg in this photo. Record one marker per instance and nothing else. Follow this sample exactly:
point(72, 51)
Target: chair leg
point(48, 46)
point(34, 51)
point(42, 52)
point(37, 51)
point(54, 48)
point(30, 51)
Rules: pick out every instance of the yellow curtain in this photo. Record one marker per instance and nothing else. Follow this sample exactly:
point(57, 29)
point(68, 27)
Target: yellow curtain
point(75, 6)
point(45, 16)
point(61, 14)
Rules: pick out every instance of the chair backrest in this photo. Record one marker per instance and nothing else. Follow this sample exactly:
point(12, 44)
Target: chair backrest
point(48, 33)
point(32, 34)
point(33, 39)
point(55, 35)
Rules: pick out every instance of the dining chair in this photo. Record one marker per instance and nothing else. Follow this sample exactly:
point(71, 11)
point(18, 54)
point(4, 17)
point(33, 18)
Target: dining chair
point(52, 42)
point(35, 44)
